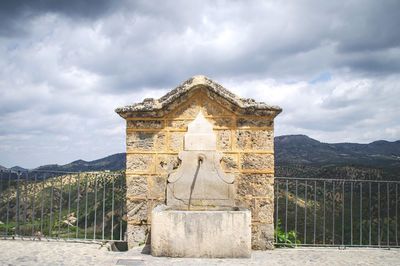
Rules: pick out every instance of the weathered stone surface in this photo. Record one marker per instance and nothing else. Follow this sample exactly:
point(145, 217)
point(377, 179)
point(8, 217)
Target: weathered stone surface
point(247, 202)
point(160, 141)
point(176, 141)
point(229, 162)
point(262, 236)
point(189, 110)
point(136, 235)
point(218, 122)
point(213, 234)
point(145, 141)
point(257, 161)
point(145, 124)
point(166, 163)
point(254, 122)
point(140, 162)
point(136, 211)
point(223, 122)
point(140, 140)
point(265, 210)
point(257, 185)
point(178, 124)
point(136, 185)
point(151, 106)
point(255, 140)
point(157, 186)
point(224, 140)
point(211, 108)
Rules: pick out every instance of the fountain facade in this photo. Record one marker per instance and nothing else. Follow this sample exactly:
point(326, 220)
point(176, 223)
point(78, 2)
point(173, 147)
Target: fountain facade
point(200, 182)
point(200, 218)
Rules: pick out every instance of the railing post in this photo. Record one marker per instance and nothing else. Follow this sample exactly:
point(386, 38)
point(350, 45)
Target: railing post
point(78, 181)
point(315, 210)
point(379, 214)
point(86, 203)
point(333, 212)
point(361, 215)
point(112, 209)
point(1, 191)
point(60, 207)
point(104, 206)
point(18, 194)
point(8, 202)
point(370, 215)
point(25, 200)
point(397, 221)
point(33, 204)
point(343, 191)
point(42, 204)
point(305, 213)
point(276, 209)
point(387, 210)
point(95, 207)
point(286, 208)
point(121, 237)
point(69, 204)
point(324, 223)
point(51, 207)
point(295, 213)
point(351, 213)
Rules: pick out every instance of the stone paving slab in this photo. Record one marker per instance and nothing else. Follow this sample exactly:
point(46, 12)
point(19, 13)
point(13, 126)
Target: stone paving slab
point(18, 252)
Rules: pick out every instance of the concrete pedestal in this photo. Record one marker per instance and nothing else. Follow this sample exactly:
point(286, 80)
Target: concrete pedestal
point(224, 233)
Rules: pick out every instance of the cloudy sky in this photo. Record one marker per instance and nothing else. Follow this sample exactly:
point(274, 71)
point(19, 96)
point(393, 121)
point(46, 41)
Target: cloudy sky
point(334, 67)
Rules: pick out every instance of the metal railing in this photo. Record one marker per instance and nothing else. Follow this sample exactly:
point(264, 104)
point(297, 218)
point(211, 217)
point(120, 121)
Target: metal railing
point(336, 212)
point(85, 206)
point(90, 206)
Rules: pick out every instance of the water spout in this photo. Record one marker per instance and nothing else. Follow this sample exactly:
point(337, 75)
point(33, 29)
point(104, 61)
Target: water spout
point(200, 160)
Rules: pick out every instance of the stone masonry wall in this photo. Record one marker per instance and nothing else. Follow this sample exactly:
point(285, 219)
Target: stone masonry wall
point(153, 145)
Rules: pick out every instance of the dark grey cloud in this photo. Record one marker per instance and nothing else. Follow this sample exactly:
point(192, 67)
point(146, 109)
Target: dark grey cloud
point(15, 15)
point(368, 26)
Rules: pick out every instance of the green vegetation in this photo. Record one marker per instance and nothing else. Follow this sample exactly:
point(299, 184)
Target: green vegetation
point(285, 239)
point(89, 205)
point(340, 214)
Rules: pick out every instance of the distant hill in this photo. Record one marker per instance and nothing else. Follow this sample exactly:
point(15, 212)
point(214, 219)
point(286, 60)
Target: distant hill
point(18, 168)
point(299, 155)
point(305, 150)
point(113, 162)
point(2, 168)
point(295, 155)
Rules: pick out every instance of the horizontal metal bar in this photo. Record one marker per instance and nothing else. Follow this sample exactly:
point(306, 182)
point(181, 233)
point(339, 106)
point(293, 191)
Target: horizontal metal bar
point(335, 180)
point(336, 245)
point(60, 172)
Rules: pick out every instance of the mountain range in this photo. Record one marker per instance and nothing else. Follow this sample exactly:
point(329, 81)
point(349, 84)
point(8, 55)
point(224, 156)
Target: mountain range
point(302, 156)
point(305, 150)
point(295, 155)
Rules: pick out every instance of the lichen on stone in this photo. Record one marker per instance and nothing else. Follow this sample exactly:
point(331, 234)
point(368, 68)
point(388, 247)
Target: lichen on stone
point(148, 105)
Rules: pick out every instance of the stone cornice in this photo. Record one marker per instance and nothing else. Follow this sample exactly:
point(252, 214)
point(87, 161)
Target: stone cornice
point(152, 106)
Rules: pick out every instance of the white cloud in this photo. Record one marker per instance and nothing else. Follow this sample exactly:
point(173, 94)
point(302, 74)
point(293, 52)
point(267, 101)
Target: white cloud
point(341, 109)
point(63, 71)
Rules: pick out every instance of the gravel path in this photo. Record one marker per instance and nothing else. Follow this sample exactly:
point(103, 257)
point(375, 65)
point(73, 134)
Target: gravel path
point(18, 252)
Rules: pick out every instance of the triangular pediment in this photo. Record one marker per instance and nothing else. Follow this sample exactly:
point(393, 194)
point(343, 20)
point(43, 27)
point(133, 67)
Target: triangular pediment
point(210, 91)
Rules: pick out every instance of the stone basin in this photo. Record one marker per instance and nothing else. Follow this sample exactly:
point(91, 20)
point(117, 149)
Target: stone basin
point(212, 232)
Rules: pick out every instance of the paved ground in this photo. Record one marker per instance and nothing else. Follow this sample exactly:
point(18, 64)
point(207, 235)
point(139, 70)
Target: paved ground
point(18, 252)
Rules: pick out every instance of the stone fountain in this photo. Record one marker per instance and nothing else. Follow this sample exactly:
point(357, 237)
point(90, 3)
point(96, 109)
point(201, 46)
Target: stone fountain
point(200, 218)
point(156, 130)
